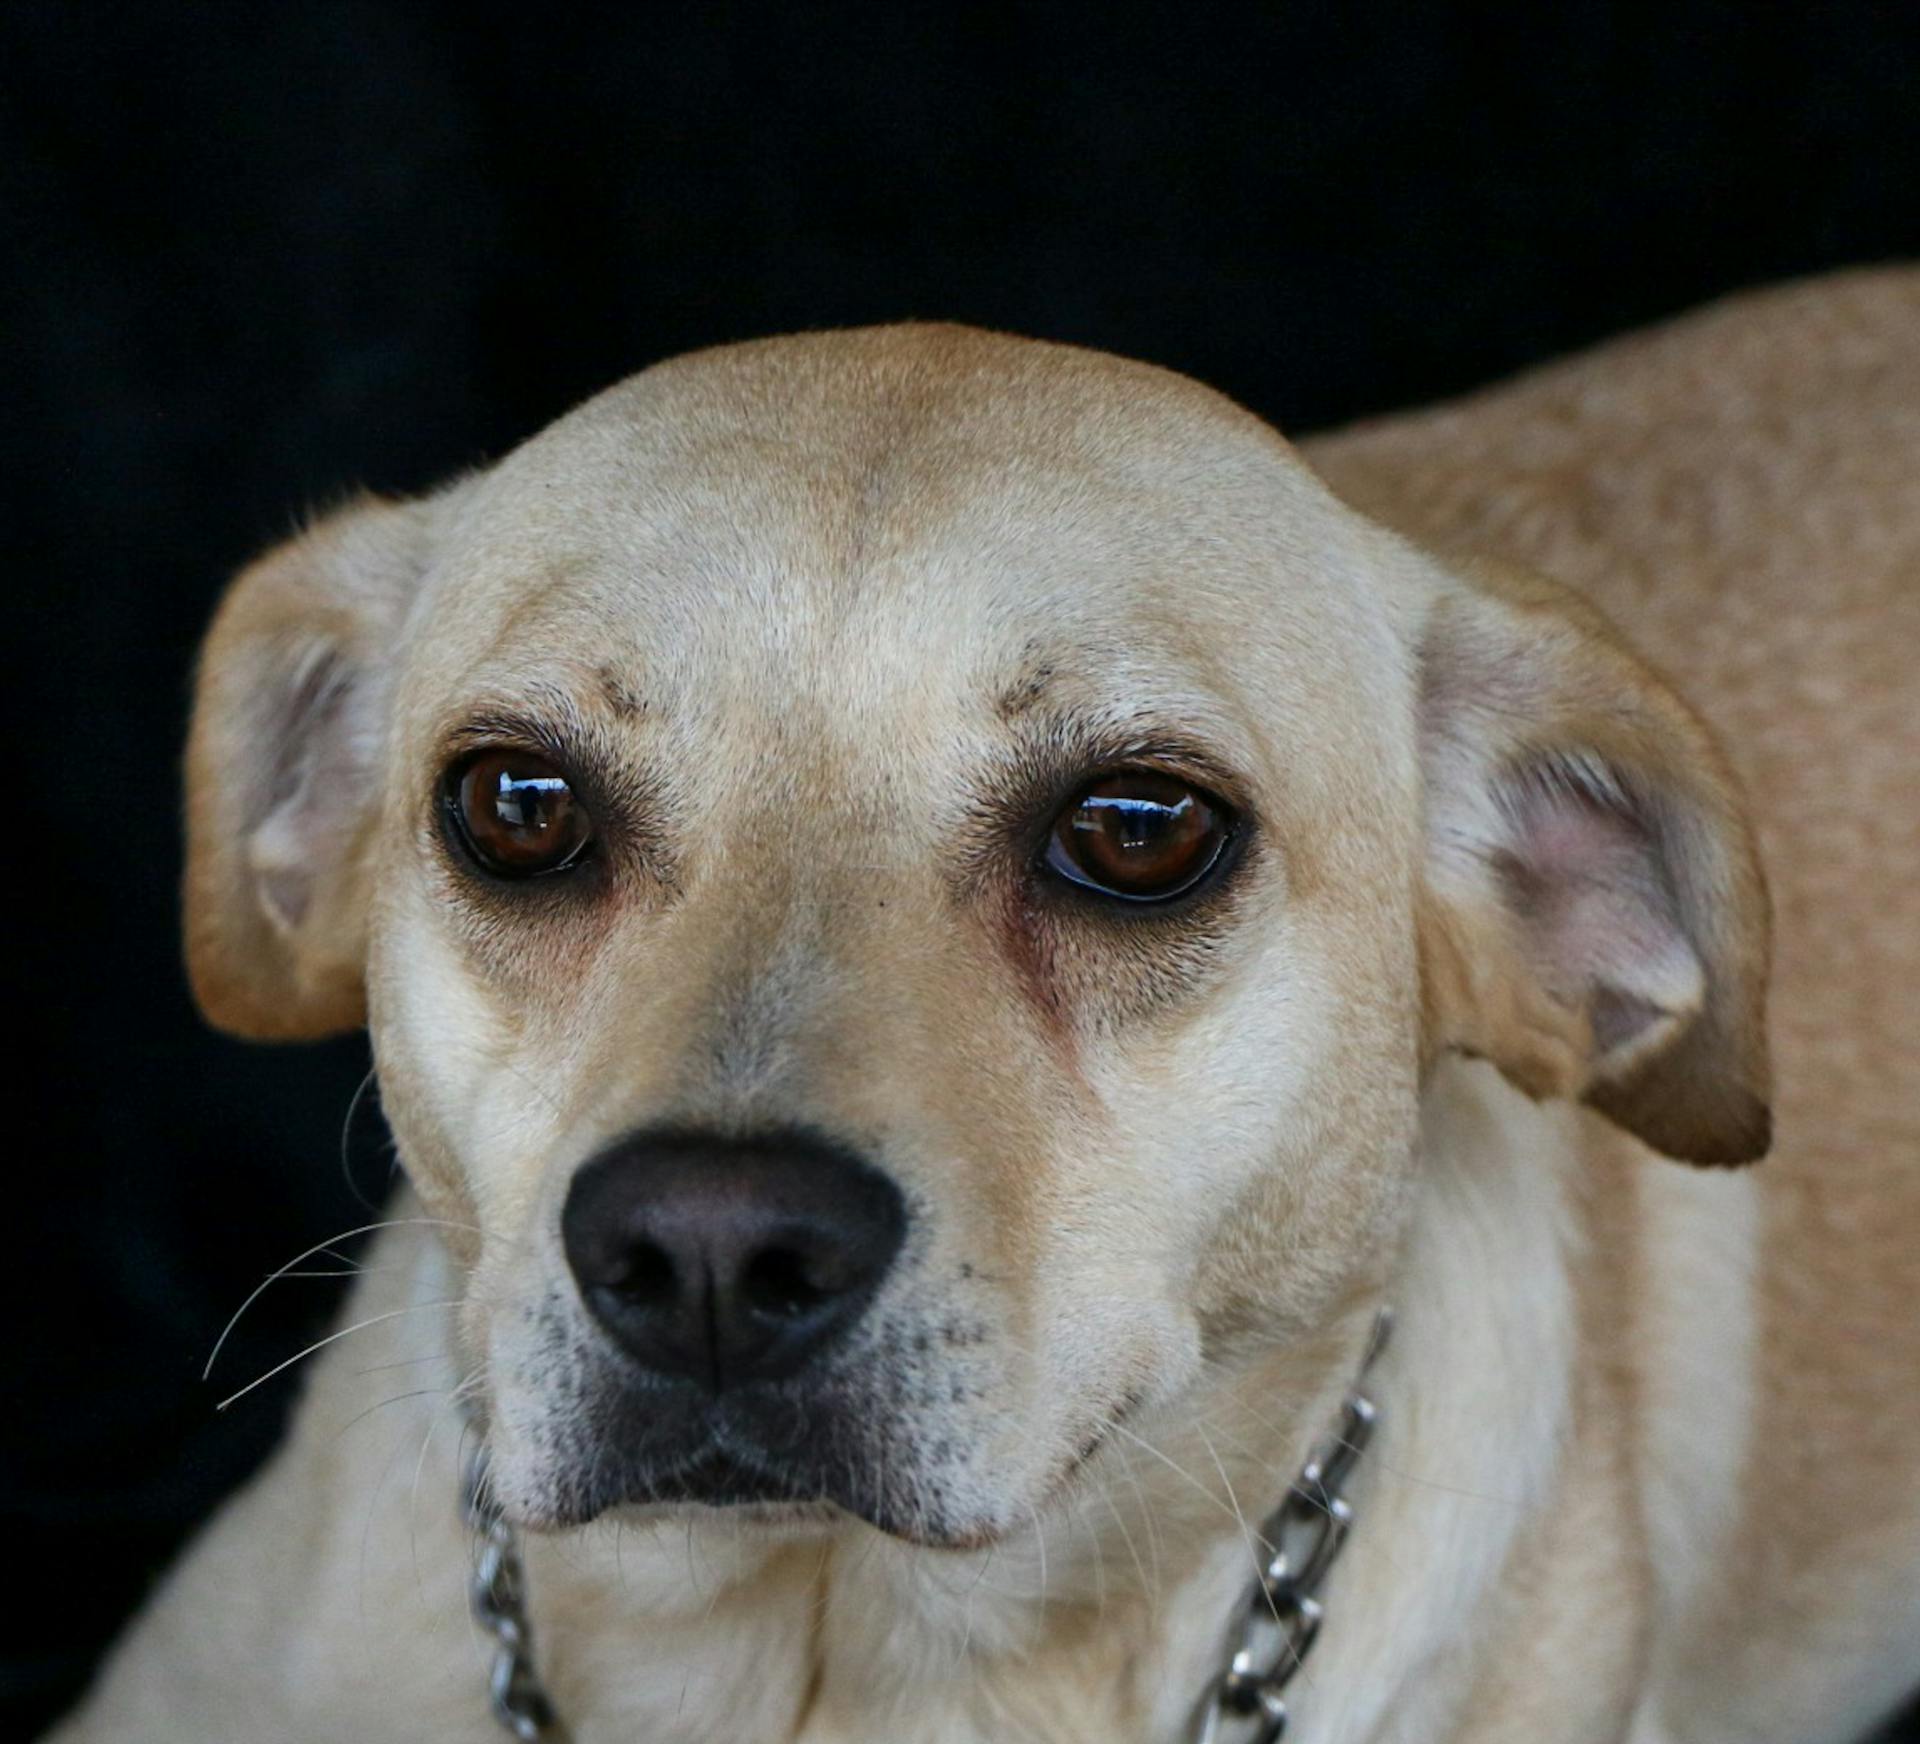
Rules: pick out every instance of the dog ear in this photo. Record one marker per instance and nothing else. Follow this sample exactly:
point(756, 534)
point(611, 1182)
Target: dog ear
point(284, 770)
point(1594, 919)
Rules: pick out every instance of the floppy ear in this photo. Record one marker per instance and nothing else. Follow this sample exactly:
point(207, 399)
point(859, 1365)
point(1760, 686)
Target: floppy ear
point(1594, 920)
point(284, 766)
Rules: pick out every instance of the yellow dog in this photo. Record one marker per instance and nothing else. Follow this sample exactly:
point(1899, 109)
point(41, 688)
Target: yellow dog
point(946, 919)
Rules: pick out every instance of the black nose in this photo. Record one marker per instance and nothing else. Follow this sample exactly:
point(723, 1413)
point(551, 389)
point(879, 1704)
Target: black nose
point(727, 1260)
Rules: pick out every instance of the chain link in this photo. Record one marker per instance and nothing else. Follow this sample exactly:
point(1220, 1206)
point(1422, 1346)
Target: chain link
point(498, 1596)
point(1280, 1616)
point(1244, 1704)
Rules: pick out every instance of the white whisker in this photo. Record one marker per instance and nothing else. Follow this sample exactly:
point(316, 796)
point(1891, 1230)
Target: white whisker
point(346, 1140)
point(319, 1248)
point(331, 1338)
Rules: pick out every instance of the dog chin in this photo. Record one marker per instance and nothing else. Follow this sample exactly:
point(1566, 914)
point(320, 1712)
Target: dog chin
point(750, 1495)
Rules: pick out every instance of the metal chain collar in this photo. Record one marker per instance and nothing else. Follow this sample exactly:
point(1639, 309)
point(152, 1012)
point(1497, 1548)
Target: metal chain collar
point(498, 1596)
point(1245, 1704)
point(1280, 1616)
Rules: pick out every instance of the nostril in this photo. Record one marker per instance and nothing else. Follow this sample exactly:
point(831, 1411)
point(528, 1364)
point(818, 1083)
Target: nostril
point(647, 1276)
point(779, 1282)
point(728, 1260)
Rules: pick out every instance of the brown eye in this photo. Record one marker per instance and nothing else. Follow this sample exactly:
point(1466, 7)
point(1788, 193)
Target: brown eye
point(1139, 835)
point(516, 813)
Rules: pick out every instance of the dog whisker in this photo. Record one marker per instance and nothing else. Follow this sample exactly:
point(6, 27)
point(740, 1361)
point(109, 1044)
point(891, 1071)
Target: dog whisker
point(319, 1248)
point(1148, 1587)
point(394, 1399)
point(1255, 1542)
point(346, 1139)
point(456, 1398)
point(333, 1338)
point(1177, 1469)
point(405, 1362)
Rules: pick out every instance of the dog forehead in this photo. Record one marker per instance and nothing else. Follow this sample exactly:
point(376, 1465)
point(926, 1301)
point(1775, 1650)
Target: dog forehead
point(895, 512)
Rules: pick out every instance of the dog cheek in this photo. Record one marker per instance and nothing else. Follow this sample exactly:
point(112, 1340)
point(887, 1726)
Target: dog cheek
point(466, 1101)
point(1031, 950)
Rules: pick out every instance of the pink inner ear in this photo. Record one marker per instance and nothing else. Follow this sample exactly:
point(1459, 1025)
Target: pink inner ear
point(1583, 875)
point(316, 788)
point(283, 865)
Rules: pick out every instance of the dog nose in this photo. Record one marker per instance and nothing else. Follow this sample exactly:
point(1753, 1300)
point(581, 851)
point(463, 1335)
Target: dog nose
point(729, 1260)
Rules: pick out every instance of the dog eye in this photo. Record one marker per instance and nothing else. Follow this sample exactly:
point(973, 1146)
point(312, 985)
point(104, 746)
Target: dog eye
point(516, 814)
point(1139, 835)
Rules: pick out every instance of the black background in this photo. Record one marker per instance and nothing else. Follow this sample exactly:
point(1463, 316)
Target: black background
point(258, 255)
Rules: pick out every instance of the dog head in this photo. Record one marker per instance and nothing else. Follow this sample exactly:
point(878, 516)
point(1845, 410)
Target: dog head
point(905, 884)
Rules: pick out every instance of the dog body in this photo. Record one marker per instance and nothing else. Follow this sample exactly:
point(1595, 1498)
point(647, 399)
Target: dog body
point(826, 629)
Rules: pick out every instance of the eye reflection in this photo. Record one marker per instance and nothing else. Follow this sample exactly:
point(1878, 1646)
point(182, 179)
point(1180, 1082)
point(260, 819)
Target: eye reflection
point(1138, 835)
point(516, 813)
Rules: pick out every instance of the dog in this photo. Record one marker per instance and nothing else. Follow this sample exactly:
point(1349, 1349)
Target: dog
point(946, 920)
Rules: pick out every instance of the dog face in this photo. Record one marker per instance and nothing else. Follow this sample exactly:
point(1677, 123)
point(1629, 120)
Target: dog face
point(904, 885)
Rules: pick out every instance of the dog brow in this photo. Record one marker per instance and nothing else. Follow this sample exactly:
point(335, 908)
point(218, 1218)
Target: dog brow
point(1028, 689)
point(567, 720)
point(621, 697)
